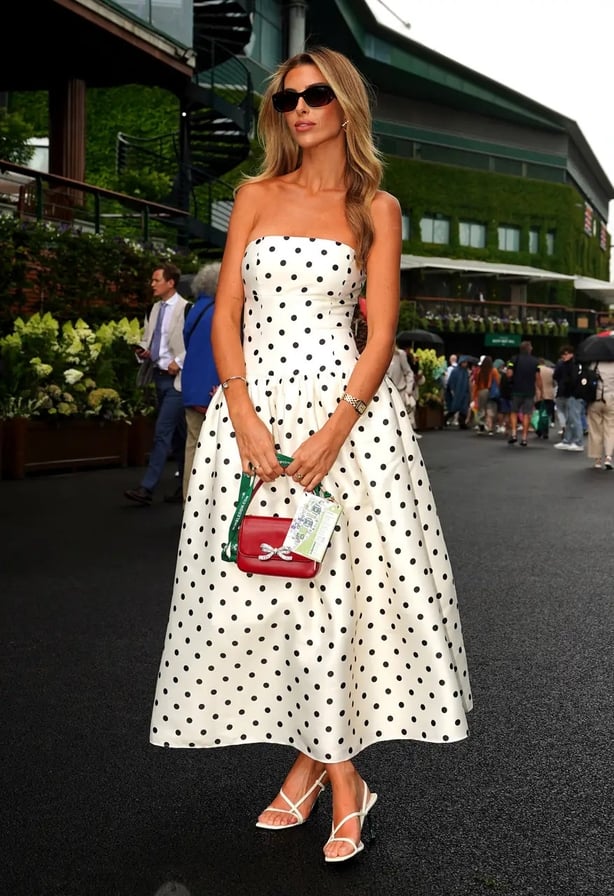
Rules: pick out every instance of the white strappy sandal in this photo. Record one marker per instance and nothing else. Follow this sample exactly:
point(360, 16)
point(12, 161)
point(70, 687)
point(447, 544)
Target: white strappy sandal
point(294, 809)
point(368, 801)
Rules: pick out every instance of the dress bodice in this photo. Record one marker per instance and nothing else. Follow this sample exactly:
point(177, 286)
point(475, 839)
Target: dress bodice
point(301, 287)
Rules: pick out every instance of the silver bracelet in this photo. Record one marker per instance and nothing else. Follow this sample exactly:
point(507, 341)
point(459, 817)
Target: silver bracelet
point(226, 382)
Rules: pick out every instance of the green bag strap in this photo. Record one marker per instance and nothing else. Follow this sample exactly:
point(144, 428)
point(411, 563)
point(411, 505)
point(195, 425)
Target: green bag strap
point(247, 490)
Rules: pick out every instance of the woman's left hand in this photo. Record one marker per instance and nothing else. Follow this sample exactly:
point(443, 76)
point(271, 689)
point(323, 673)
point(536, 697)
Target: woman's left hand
point(312, 460)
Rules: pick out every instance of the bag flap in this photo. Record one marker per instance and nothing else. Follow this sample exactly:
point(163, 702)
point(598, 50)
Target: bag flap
point(259, 534)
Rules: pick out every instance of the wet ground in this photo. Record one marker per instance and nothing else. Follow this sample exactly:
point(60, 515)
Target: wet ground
point(524, 806)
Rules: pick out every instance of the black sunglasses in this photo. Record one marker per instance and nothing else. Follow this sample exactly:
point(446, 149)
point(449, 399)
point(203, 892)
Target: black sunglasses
point(315, 96)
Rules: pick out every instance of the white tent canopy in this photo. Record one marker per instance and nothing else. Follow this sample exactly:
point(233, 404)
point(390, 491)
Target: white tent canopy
point(596, 289)
point(471, 266)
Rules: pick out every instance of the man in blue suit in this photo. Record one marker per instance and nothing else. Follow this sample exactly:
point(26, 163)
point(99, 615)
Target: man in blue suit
point(163, 351)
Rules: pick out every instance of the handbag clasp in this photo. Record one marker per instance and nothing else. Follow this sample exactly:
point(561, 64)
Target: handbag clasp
point(268, 552)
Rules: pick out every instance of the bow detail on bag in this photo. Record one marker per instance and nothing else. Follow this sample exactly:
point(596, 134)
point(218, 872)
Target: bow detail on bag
point(268, 552)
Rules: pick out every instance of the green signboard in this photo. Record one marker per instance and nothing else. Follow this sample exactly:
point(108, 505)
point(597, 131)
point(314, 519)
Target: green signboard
point(509, 339)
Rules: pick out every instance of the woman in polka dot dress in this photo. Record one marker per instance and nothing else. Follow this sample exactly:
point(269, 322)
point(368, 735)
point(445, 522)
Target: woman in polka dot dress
point(371, 649)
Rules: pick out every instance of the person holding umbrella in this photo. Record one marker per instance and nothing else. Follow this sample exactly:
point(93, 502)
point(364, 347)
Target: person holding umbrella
point(600, 415)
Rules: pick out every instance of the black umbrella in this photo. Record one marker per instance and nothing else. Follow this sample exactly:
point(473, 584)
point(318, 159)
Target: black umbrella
point(596, 348)
point(406, 338)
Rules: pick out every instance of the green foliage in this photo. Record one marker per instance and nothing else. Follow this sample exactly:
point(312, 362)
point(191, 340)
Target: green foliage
point(425, 188)
point(135, 110)
point(408, 316)
point(145, 184)
point(14, 132)
point(73, 274)
point(54, 370)
point(432, 368)
point(34, 108)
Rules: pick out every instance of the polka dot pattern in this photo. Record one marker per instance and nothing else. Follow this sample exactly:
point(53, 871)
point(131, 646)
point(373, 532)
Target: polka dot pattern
point(372, 648)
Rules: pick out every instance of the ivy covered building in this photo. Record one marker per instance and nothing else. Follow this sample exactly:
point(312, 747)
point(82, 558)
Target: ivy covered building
point(505, 206)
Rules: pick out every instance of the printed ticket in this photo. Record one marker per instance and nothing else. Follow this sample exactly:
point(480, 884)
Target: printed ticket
point(312, 527)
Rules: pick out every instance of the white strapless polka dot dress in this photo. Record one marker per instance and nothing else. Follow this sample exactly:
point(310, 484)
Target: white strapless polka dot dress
point(371, 649)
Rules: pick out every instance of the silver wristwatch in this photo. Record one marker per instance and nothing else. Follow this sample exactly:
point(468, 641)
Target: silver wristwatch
point(357, 403)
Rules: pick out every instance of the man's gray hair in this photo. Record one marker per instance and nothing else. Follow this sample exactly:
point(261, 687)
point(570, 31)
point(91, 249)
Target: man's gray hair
point(205, 279)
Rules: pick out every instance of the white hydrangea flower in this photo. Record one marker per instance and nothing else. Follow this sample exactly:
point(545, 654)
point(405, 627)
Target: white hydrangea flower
point(40, 369)
point(73, 376)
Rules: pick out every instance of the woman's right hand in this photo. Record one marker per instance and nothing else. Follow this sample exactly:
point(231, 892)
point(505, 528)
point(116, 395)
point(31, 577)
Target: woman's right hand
point(257, 450)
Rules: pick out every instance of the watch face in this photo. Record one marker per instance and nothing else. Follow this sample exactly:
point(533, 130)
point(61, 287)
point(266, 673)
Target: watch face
point(357, 403)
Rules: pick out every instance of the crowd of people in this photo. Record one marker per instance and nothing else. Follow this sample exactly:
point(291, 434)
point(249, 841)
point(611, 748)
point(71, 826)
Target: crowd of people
point(528, 395)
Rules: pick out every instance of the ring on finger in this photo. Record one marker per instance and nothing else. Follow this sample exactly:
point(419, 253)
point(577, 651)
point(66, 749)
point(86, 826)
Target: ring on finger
point(298, 477)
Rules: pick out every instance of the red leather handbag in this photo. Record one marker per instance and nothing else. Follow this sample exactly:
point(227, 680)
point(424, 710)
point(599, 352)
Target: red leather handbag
point(255, 543)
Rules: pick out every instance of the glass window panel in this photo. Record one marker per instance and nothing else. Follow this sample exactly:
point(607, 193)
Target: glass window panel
point(265, 45)
point(172, 17)
point(441, 231)
point(435, 229)
point(426, 230)
point(533, 240)
point(471, 233)
point(550, 242)
point(509, 239)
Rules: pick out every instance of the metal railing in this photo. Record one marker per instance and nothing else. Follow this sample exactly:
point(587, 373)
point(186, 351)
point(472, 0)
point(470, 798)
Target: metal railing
point(225, 83)
point(462, 315)
point(42, 197)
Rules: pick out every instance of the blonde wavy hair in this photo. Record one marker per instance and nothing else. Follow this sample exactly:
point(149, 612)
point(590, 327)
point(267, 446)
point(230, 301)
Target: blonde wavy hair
point(364, 167)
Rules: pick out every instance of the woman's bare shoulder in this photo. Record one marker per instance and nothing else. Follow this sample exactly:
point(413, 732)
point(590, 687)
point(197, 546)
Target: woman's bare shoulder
point(386, 205)
point(255, 190)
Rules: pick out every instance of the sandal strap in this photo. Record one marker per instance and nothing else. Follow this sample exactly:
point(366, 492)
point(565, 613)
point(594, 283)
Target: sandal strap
point(293, 811)
point(340, 825)
point(294, 807)
point(356, 846)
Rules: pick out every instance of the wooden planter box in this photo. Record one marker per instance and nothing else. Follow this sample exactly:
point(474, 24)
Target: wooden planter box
point(140, 440)
point(428, 418)
point(36, 446)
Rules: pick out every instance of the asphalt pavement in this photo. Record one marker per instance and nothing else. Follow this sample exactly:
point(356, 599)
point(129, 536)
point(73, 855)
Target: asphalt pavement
point(521, 808)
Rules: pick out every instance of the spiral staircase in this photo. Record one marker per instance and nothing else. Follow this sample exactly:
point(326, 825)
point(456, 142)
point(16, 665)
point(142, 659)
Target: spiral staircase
point(215, 122)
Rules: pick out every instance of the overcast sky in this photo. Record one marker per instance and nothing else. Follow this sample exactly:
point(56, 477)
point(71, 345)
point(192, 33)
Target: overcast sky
point(558, 52)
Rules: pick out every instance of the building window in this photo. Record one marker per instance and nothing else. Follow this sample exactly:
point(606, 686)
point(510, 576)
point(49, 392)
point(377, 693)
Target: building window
point(509, 239)
point(435, 229)
point(472, 234)
point(550, 242)
point(266, 43)
point(534, 240)
point(405, 231)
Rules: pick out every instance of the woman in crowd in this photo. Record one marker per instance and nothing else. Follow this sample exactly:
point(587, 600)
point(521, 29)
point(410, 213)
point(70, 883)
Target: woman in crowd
point(485, 396)
point(600, 418)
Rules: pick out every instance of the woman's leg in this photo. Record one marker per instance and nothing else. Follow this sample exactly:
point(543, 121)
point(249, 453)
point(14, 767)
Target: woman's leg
point(299, 781)
point(348, 798)
point(607, 411)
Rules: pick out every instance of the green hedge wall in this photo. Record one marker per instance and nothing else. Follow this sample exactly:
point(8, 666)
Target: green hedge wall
point(425, 188)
